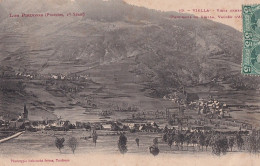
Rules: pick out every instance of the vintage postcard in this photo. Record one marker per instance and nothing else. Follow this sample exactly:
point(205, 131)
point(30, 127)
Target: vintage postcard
point(129, 82)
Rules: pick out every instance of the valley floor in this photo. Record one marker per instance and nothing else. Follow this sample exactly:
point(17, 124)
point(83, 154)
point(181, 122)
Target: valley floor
point(43, 142)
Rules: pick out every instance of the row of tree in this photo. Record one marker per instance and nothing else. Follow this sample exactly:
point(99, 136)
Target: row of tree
point(122, 145)
point(253, 142)
point(220, 143)
point(72, 143)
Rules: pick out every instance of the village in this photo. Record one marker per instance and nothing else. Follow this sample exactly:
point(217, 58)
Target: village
point(173, 128)
point(186, 112)
point(211, 115)
point(202, 115)
point(187, 118)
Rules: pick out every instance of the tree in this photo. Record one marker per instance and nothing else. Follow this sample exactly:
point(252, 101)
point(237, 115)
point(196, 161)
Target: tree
point(188, 139)
point(194, 139)
point(182, 139)
point(165, 129)
point(207, 141)
point(73, 143)
point(170, 140)
point(253, 143)
point(122, 143)
point(165, 137)
point(59, 143)
point(240, 141)
point(219, 145)
point(95, 137)
point(216, 147)
point(179, 139)
point(137, 142)
point(155, 141)
point(201, 140)
point(154, 150)
point(224, 145)
point(231, 142)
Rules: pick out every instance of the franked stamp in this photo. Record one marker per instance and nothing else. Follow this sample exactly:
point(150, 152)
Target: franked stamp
point(251, 39)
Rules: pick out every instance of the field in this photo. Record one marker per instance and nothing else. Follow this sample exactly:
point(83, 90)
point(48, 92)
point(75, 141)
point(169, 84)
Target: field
point(43, 142)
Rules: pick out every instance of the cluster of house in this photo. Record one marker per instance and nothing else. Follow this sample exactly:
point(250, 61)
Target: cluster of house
point(33, 75)
point(23, 123)
point(15, 123)
point(67, 77)
point(110, 126)
point(25, 75)
point(212, 108)
point(64, 125)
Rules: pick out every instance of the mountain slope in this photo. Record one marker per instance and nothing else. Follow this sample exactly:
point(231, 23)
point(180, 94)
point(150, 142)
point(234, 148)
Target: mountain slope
point(156, 54)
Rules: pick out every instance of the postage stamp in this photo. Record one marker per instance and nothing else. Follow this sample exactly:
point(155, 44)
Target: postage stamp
point(251, 39)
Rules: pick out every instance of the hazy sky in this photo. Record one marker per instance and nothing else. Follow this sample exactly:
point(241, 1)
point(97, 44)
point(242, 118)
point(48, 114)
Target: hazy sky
point(175, 5)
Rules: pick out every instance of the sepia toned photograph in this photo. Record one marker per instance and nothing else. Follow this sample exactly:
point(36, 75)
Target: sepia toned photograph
point(129, 82)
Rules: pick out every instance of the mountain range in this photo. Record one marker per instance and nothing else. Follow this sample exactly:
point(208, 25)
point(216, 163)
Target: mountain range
point(118, 46)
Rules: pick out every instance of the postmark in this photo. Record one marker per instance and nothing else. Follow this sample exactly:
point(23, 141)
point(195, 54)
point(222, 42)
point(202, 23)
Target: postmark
point(251, 39)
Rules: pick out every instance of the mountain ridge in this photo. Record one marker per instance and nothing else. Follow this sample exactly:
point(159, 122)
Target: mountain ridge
point(156, 53)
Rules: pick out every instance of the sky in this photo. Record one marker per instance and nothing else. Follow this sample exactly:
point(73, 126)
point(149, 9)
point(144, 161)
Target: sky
point(176, 5)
